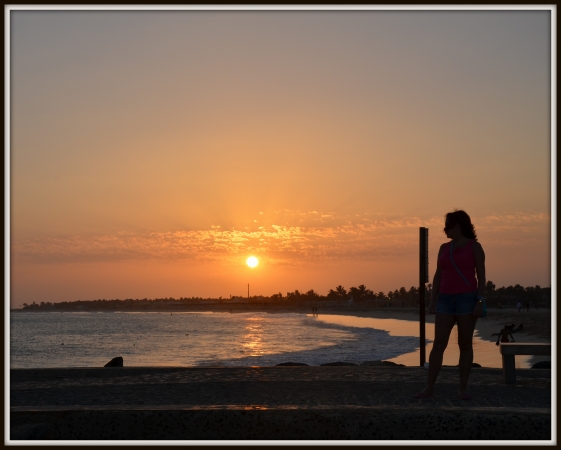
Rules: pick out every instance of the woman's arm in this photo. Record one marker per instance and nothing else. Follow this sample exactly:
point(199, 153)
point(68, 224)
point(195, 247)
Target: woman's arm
point(436, 278)
point(435, 283)
point(479, 255)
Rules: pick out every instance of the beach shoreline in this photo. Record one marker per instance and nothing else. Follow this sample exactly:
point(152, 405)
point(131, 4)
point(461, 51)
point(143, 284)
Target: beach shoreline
point(537, 323)
point(537, 328)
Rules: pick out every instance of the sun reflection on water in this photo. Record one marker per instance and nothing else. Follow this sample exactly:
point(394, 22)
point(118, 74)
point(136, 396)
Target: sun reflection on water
point(253, 339)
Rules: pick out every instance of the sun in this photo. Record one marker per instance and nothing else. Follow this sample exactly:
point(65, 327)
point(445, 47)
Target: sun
point(252, 261)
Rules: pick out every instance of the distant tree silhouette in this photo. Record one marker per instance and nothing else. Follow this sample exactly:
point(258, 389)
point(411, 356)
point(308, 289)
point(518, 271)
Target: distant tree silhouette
point(341, 291)
point(358, 293)
point(489, 287)
point(380, 296)
point(535, 294)
point(312, 294)
point(333, 295)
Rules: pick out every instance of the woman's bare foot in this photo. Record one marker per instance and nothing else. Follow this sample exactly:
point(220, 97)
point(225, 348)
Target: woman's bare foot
point(463, 395)
point(425, 393)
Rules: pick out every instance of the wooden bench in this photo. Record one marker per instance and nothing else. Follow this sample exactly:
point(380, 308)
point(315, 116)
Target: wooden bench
point(509, 350)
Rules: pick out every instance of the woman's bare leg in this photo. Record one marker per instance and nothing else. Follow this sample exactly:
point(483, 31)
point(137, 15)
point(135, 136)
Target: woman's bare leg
point(466, 326)
point(443, 324)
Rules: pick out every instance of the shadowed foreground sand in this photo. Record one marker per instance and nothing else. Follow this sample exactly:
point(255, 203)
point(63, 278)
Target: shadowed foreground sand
point(275, 403)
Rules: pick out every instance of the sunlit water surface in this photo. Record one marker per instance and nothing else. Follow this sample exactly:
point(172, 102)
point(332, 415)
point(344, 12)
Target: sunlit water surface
point(91, 339)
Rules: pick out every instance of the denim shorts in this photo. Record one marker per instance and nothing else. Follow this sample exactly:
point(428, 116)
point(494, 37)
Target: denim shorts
point(456, 304)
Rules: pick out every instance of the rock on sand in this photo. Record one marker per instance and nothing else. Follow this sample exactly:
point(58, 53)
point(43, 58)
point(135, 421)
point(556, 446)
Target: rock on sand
point(291, 364)
point(115, 362)
point(380, 363)
point(339, 363)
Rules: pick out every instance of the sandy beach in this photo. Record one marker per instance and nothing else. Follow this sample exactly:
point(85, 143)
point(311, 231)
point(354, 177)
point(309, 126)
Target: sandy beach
point(537, 323)
point(537, 328)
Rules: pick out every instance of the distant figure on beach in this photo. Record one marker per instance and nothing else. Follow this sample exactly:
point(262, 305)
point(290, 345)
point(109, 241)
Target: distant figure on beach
point(527, 306)
point(519, 306)
point(456, 298)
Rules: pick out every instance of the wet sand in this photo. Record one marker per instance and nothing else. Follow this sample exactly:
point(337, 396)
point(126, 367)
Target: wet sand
point(537, 325)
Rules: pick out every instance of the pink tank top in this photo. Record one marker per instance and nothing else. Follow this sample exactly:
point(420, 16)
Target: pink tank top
point(451, 281)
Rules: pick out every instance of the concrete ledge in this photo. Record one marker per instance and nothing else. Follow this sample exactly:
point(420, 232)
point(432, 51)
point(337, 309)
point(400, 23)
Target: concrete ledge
point(509, 350)
point(274, 403)
point(231, 422)
point(525, 348)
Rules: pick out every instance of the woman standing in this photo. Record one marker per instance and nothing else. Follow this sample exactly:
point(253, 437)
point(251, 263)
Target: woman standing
point(456, 298)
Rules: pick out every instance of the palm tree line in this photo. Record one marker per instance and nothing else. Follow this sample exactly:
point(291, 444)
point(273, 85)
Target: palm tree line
point(359, 295)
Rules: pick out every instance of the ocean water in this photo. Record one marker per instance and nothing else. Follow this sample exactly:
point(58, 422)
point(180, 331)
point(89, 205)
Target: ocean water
point(91, 339)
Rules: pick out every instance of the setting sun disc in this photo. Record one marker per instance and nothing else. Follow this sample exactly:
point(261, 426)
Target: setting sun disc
point(252, 261)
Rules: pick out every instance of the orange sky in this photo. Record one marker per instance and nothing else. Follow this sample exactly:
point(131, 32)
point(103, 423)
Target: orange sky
point(153, 152)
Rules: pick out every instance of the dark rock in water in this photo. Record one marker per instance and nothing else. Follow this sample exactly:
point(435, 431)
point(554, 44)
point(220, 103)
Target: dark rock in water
point(291, 364)
point(115, 362)
point(339, 363)
point(542, 365)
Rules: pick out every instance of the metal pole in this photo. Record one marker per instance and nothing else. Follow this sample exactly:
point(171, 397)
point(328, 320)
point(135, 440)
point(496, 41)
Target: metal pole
point(423, 276)
point(248, 291)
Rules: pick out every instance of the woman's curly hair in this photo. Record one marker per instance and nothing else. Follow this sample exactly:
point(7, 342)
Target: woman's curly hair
point(461, 218)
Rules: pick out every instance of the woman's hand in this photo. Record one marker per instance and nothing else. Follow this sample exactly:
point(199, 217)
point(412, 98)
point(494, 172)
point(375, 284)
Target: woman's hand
point(432, 306)
point(478, 310)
